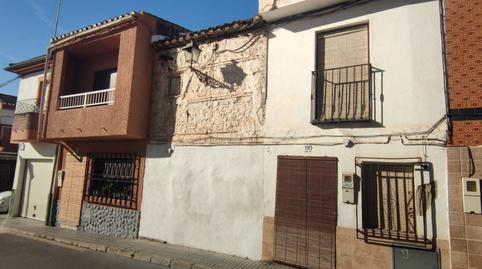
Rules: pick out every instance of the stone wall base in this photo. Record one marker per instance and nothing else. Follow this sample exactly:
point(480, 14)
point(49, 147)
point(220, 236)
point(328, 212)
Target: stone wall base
point(111, 221)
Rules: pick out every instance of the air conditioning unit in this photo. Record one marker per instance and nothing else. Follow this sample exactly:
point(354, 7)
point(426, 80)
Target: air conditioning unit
point(472, 197)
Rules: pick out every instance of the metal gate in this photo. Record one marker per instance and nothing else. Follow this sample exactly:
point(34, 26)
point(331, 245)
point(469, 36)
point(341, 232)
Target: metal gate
point(305, 211)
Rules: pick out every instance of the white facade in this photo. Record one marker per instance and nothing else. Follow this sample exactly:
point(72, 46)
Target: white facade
point(215, 196)
point(43, 153)
point(205, 197)
point(404, 42)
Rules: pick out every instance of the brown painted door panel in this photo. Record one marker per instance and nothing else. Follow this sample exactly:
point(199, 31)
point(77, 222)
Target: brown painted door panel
point(305, 213)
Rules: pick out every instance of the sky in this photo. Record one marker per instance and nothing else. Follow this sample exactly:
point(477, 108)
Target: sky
point(27, 25)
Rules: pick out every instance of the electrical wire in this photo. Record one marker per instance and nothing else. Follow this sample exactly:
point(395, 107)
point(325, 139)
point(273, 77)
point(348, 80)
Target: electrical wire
point(8, 81)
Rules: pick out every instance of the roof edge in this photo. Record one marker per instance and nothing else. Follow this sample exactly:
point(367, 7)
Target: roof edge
point(218, 31)
point(27, 66)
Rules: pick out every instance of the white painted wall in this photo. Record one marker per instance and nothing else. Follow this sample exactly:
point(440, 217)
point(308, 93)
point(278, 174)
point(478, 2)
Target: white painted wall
point(405, 41)
point(28, 86)
point(205, 197)
point(215, 197)
point(28, 89)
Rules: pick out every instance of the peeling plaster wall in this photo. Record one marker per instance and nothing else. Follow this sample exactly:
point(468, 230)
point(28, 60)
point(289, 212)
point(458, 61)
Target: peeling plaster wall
point(230, 104)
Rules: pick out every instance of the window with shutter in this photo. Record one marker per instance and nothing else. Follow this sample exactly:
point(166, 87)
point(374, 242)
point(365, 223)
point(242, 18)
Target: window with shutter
point(342, 79)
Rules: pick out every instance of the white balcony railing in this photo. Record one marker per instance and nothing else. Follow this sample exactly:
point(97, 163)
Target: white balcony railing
point(95, 98)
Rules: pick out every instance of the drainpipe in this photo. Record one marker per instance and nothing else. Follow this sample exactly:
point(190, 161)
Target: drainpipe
point(445, 70)
point(50, 219)
point(43, 94)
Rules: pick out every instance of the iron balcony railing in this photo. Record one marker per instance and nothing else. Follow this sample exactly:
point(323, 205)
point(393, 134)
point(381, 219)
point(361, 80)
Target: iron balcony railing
point(27, 106)
point(343, 94)
point(94, 98)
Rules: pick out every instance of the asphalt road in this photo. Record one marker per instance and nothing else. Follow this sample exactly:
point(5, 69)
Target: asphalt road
point(20, 252)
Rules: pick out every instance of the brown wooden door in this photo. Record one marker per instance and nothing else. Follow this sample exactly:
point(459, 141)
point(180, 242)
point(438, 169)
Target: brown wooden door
point(305, 211)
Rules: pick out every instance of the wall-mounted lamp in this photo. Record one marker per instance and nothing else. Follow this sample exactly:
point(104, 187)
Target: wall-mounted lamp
point(191, 53)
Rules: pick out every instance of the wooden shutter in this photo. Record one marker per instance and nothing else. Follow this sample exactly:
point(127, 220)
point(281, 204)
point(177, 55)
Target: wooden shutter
point(305, 213)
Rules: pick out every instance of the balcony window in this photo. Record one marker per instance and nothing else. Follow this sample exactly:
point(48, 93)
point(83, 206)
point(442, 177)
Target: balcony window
point(342, 81)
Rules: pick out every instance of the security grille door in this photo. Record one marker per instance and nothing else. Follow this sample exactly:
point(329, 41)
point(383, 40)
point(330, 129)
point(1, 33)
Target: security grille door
point(305, 213)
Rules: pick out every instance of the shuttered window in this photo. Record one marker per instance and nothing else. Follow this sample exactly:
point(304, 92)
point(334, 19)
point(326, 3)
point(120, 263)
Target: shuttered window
point(343, 76)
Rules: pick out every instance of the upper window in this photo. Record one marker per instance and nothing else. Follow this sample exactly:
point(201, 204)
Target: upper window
point(174, 84)
point(342, 79)
point(105, 79)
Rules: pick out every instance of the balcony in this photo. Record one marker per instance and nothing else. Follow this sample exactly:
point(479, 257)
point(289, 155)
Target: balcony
point(101, 87)
point(344, 94)
point(94, 98)
point(25, 122)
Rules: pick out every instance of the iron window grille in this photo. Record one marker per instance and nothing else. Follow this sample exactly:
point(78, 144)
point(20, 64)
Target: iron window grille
point(393, 207)
point(343, 94)
point(112, 179)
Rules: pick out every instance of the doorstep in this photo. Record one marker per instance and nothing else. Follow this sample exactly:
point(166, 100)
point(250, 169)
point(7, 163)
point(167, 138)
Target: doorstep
point(173, 256)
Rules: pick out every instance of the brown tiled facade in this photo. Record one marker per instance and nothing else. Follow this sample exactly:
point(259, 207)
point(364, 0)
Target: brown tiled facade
point(72, 190)
point(467, 132)
point(465, 229)
point(463, 25)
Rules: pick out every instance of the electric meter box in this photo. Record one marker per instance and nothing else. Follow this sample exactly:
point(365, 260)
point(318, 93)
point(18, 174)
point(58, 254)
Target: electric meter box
point(348, 189)
point(472, 197)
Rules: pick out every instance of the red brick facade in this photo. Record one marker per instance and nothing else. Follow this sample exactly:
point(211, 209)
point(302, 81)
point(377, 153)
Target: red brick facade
point(463, 24)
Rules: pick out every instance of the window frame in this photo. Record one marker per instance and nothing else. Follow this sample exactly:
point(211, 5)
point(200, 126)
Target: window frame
point(315, 91)
point(170, 76)
point(131, 203)
point(423, 221)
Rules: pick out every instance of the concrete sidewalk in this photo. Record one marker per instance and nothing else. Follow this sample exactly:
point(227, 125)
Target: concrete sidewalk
point(173, 256)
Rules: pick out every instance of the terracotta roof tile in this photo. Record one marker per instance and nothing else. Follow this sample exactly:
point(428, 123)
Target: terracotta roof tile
point(58, 38)
point(212, 32)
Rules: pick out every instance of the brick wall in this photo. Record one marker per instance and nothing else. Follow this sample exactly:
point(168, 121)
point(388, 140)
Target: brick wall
point(71, 191)
point(463, 23)
point(465, 229)
point(467, 132)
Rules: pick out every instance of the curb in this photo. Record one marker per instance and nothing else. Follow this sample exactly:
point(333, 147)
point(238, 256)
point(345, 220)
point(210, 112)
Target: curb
point(124, 252)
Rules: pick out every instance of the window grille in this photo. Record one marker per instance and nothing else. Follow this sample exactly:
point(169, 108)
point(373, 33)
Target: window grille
point(391, 202)
point(112, 179)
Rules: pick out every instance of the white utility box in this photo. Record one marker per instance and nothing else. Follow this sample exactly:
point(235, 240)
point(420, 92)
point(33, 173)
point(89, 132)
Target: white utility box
point(348, 189)
point(472, 201)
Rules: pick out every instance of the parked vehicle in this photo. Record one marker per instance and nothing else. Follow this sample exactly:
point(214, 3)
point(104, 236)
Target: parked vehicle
point(5, 201)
